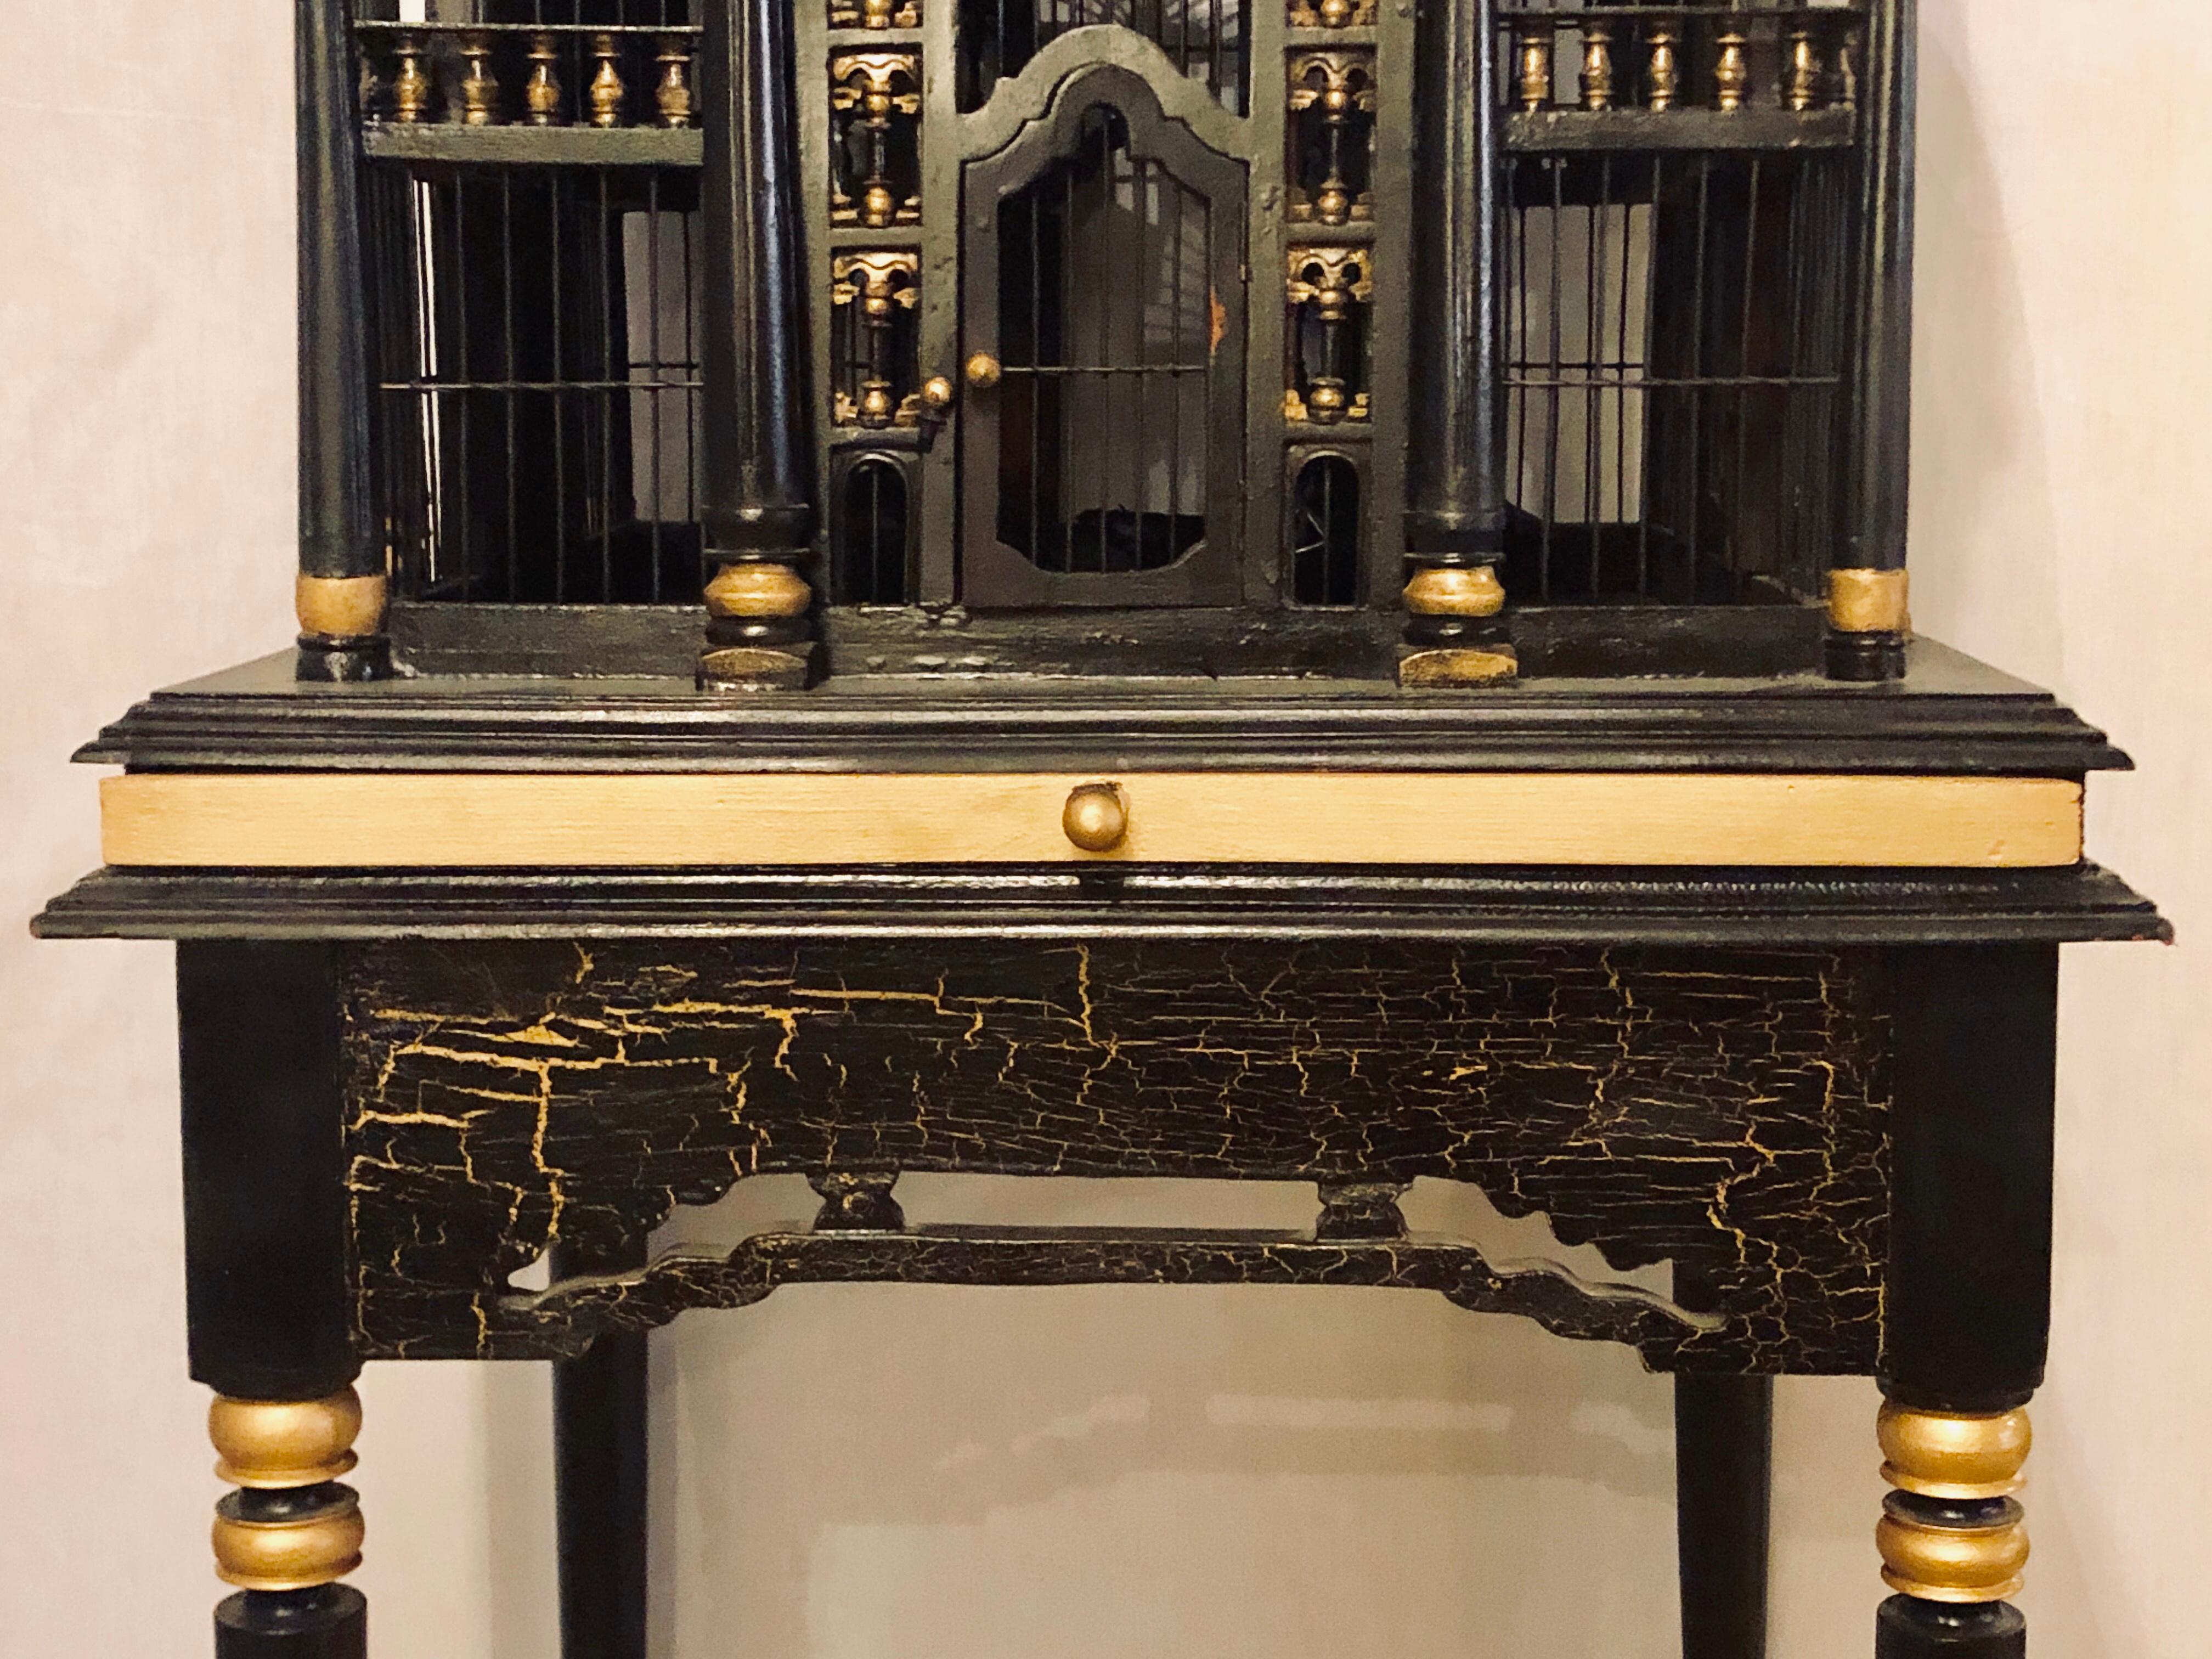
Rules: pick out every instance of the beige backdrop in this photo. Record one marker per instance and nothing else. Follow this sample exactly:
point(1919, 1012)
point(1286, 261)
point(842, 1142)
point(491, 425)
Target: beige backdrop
point(1090, 1475)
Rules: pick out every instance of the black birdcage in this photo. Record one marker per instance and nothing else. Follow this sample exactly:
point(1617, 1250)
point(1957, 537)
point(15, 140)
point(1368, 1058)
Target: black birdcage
point(1207, 323)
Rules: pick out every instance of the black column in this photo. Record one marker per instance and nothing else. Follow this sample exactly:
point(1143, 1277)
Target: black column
point(265, 1252)
point(1867, 596)
point(1966, 1314)
point(600, 1474)
point(755, 494)
point(341, 590)
point(1967, 1310)
point(1455, 463)
point(1723, 1465)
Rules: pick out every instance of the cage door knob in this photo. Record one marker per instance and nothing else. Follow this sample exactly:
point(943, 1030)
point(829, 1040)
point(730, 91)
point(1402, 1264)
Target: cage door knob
point(984, 371)
point(1096, 818)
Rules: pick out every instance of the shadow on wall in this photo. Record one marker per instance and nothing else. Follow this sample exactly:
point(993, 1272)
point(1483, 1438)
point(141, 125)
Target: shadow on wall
point(860, 1472)
point(1124, 1471)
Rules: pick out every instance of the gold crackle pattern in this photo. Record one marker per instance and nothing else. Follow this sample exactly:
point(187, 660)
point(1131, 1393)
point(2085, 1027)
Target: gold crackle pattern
point(1724, 1110)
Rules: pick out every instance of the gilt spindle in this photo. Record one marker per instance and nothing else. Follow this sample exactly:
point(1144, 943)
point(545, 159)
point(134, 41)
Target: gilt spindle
point(479, 90)
point(541, 95)
point(410, 83)
point(607, 92)
point(1662, 71)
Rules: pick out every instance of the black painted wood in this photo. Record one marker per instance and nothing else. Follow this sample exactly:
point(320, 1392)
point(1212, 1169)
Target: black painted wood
point(1561, 131)
point(1455, 514)
point(266, 1218)
point(599, 1482)
point(1705, 907)
point(1906, 1629)
point(528, 146)
point(755, 491)
point(576, 1092)
point(337, 535)
point(1877, 449)
point(1968, 1311)
point(331, 1622)
point(947, 644)
point(583, 1310)
point(1723, 1467)
point(995, 576)
point(1953, 715)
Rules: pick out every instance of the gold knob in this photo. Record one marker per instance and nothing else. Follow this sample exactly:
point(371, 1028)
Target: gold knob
point(1097, 816)
point(983, 371)
point(937, 393)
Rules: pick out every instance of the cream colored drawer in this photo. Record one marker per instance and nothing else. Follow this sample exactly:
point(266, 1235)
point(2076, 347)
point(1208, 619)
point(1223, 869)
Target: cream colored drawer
point(450, 820)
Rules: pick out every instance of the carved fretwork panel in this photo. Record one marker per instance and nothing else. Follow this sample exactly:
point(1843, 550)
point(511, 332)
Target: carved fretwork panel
point(875, 149)
point(1330, 291)
point(875, 14)
point(1332, 14)
point(872, 297)
point(1331, 165)
point(1726, 1112)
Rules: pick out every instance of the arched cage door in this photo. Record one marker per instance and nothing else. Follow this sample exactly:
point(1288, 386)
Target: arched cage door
point(1103, 322)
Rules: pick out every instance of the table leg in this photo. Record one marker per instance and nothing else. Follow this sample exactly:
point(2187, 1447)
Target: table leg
point(1951, 1538)
point(290, 1531)
point(1966, 1314)
point(599, 1486)
point(1724, 1458)
point(266, 1290)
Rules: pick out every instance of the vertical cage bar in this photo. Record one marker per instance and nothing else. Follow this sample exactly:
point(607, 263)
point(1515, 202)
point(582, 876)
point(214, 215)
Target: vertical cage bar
point(458, 401)
point(342, 588)
point(508, 396)
point(556, 398)
point(1652, 414)
point(1592, 355)
point(602, 302)
point(1455, 529)
point(653, 399)
point(1694, 479)
point(1741, 502)
point(1554, 308)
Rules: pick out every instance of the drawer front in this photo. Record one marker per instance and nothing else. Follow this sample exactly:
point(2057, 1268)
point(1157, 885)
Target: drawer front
point(662, 820)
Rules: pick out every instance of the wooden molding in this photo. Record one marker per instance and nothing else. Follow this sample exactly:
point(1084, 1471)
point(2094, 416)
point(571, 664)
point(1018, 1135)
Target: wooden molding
point(327, 820)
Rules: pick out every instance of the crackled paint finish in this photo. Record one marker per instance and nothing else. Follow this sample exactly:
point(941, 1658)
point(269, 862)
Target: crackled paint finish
point(1724, 1110)
point(576, 1310)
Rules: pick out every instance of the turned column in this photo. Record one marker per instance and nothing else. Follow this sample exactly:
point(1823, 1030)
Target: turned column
point(1952, 1535)
point(341, 590)
point(1868, 617)
point(755, 494)
point(290, 1531)
point(265, 1291)
point(1966, 1307)
point(1455, 513)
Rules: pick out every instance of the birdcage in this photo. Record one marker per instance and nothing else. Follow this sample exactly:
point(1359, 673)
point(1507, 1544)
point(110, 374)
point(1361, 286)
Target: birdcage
point(1136, 336)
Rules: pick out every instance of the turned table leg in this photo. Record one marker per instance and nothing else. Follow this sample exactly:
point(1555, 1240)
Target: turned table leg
point(290, 1531)
point(1724, 1458)
point(1967, 1312)
point(265, 1287)
point(600, 1483)
point(1951, 1535)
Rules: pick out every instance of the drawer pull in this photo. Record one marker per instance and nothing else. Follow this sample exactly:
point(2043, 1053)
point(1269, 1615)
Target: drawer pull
point(1096, 817)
